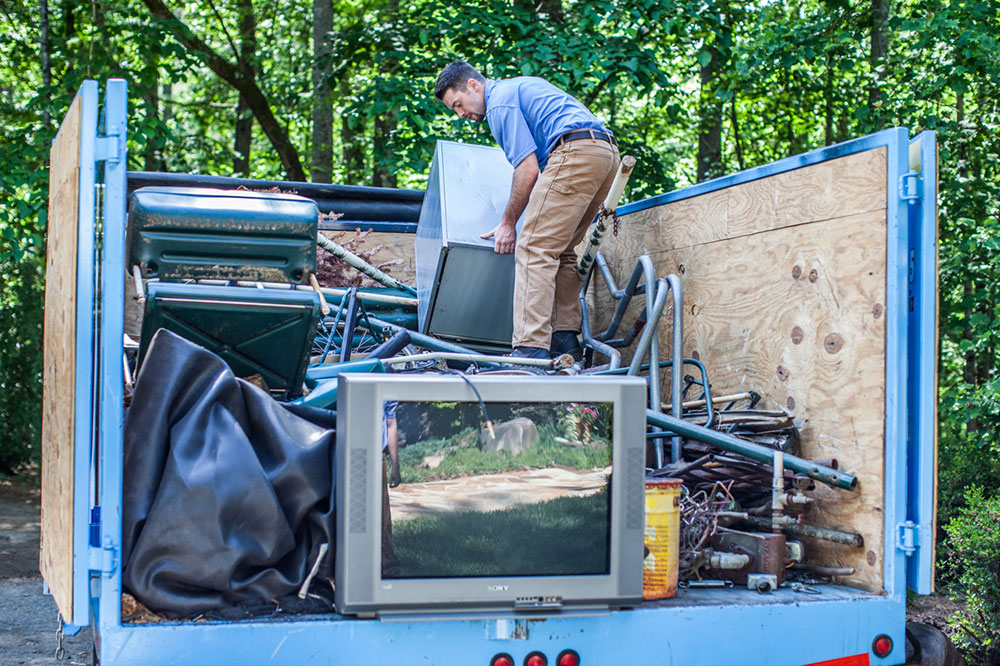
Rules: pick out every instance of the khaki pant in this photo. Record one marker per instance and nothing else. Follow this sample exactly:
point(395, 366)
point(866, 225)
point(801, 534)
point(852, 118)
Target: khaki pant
point(563, 203)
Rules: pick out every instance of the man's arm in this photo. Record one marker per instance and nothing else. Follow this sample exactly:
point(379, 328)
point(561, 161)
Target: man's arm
point(505, 234)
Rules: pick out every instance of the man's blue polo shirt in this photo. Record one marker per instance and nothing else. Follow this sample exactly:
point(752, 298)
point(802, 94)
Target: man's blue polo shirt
point(528, 115)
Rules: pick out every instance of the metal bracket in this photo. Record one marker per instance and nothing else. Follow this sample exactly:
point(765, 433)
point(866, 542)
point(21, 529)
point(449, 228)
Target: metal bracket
point(907, 537)
point(110, 148)
point(909, 187)
point(105, 558)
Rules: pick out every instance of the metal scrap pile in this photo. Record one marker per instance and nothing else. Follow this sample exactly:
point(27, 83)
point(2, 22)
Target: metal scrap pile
point(746, 495)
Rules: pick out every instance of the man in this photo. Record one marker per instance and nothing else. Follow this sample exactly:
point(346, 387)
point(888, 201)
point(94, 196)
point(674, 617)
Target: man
point(391, 567)
point(564, 162)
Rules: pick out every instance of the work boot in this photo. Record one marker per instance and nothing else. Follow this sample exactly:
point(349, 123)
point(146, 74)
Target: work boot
point(565, 342)
point(529, 352)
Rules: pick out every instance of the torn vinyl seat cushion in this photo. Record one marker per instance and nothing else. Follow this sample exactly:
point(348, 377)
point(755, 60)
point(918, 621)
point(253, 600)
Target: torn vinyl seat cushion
point(228, 495)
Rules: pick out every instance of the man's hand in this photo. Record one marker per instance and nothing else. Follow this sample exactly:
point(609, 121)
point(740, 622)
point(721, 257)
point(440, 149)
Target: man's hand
point(504, 237)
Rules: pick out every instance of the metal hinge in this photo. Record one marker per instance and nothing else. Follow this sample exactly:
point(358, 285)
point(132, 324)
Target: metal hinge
point(907, 537)
point(909, 187)
point(110, 147)
point(105, 558)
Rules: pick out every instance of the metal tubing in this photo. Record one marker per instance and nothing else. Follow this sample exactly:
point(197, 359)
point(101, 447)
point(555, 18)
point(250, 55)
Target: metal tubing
point(335, 292)
point(362, 207)
point(350, 322)
point(650, 343)
point(677, 444)
point(602, 266)
point(722, 398)
point(777, 491)
point(789, 525)
point(469, 358)
point(392, 346)
point(624, 297)
point(589, 341)
point(426, 341)
point(750, 450)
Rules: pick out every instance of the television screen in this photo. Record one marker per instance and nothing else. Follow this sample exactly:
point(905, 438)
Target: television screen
point(488, 494)
point(526, 495)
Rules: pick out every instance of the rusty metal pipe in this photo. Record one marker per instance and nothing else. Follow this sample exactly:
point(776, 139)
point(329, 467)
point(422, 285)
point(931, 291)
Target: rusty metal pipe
point(750, 450)
point(791, 526)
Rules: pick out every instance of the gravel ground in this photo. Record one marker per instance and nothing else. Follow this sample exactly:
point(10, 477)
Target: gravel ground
point(28, 617)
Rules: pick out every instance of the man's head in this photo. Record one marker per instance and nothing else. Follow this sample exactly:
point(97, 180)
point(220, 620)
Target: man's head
point(461, 87)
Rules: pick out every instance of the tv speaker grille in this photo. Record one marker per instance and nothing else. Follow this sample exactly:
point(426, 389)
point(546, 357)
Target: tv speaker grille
point(634, 487)
point(358, 467)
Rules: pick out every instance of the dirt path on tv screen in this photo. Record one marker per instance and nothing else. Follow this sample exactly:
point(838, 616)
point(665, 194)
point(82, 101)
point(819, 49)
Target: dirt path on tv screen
point(491, 492)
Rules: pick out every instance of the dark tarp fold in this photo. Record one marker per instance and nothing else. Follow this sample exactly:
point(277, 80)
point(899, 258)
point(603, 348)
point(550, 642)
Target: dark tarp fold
point(228, 495)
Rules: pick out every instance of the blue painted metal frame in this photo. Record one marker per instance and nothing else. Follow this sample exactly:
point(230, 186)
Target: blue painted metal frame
point(107, 579)
point(84, 355)
point(921, 410)
point(783, 628)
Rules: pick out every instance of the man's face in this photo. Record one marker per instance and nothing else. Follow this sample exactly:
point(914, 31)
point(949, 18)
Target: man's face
point(469, 103)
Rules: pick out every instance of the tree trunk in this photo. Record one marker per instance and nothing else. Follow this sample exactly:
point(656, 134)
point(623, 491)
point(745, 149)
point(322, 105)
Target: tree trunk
point(351, 142)
point(69, 17)
point(385, 123)
point(552, 9)
point(879, 51)
point(243, 83)
point(152, 160)
point(738, 144)
point(43, 47)
point(828, 101)
point(243, 139)
point(322, 139)
point(710, 119)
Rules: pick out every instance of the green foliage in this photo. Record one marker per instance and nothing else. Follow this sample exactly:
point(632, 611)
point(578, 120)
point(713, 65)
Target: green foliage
point(974, 535)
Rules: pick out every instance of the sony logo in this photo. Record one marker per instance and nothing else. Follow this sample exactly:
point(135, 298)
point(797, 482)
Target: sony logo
point(497, 588)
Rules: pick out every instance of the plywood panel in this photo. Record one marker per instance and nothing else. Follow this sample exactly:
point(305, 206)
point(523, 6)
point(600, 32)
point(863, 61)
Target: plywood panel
point(844, 186)
point(391, 247)
point(59, 377)
point(790, 303)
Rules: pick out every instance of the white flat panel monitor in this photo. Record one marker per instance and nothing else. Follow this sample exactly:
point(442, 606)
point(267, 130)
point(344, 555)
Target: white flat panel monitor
point(526, 519)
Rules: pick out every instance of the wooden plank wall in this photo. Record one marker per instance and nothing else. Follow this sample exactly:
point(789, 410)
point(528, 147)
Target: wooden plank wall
point(784, 294)
point(59, 375)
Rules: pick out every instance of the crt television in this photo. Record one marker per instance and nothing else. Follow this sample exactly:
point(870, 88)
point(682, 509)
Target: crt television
point(504, 499)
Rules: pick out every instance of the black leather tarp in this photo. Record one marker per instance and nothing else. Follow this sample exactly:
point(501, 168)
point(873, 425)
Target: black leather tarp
point(228, 495)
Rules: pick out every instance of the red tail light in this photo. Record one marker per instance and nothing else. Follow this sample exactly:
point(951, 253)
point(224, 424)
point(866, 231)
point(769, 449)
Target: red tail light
point(535, 659)
point(502, 659)
point(568, 658)
point(882, 646)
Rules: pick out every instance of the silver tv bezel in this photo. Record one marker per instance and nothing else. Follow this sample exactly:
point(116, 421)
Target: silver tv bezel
point(359, 588)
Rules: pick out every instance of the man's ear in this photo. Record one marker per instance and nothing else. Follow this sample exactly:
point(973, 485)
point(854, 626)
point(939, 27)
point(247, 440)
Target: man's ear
point(474, 85)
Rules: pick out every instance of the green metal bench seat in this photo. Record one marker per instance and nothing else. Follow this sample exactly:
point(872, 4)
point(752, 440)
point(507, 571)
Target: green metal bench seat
point(177, 233)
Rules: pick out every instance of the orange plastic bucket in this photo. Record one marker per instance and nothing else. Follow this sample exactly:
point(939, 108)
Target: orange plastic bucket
point(662, 538)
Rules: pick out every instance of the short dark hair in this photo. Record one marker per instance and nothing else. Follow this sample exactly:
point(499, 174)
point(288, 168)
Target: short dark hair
point(455, 76)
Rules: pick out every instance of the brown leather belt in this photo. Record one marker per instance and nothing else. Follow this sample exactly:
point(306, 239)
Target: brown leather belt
point(586, 134)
